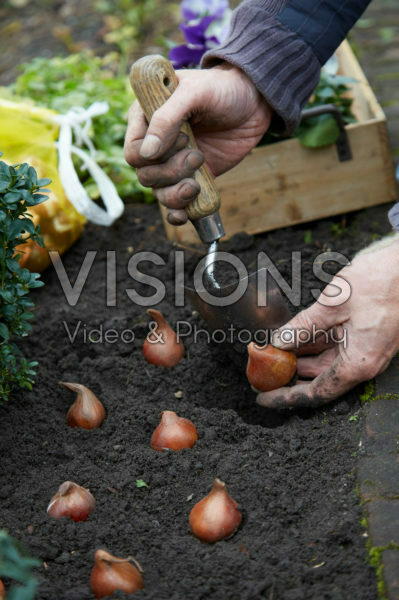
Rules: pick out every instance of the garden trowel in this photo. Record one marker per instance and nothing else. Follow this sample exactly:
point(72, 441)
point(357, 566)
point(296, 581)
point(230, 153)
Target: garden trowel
point(255, 301)
point(154, 80)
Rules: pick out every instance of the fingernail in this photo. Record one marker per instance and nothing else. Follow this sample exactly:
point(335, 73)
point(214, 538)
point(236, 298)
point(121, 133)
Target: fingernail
point(150, 146)
point(177, 217)
point(281, 337)
point(276, 340)
point(188, 191)
point(194, 160)
point(182, 140)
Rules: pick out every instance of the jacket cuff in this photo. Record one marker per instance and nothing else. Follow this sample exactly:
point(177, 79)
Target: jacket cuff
point(281, 65)
point(393, 216)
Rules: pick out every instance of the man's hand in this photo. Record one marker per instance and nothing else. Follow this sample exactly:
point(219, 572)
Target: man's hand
point(363, 331)
point(228, 117)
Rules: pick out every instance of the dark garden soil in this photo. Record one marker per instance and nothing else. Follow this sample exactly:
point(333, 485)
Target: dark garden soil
point(292, 472)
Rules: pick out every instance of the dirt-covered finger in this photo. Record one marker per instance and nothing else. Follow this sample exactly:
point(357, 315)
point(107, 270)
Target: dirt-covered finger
point(179, 195)
point(134, 158)
point(312, 366)
point(322, 342)
point(289, 397)
point(135, 133)
point(334, 381)
point(181, 165)
point(177, 217)
point(167, 120)
point(307, 324)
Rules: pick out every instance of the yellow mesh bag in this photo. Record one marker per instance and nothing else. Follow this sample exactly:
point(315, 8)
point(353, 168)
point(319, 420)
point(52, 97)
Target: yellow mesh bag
point(28, 134)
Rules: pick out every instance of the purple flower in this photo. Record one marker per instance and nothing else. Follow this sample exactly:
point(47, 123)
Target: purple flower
point(184, 56)
point(190, 54)
point(195, 9)
point(196, 34)
point(204, 30)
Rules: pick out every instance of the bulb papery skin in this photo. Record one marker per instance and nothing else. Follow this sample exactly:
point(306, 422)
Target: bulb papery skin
point(111, 573)
point(174, 433)
point(162, 346)
point(71, 500)
point(87, 412)
point(2, 591)
point(216, 516)
point(269, 368)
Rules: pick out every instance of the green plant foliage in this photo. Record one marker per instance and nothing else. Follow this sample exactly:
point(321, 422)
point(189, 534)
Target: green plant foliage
point(129, 22)
point(307, 238)
point(16, 564)
point(140, 483)
point(375, 559)
point(19, 189)
point(339, 229)
point(368, 392)
point(323, 130)
point(316, 132)
point(78, 80)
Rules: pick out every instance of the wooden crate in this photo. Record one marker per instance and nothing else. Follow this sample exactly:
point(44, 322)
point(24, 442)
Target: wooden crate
point(284, 183)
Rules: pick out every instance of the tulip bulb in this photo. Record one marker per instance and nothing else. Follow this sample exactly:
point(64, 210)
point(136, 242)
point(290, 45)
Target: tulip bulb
point(111, 573)
point(2, 591)
point(162, 346)
point(216, 516)
point(269, 368)
point(174, 433)
point(71, 500)
point(87, 411)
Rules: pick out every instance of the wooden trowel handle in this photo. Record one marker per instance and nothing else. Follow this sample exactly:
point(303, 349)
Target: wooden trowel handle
point(154, 80)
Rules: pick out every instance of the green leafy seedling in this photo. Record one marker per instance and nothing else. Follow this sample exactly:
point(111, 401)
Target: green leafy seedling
point(17, 565)
point(20, 189)
point(307, 238)
point(140, 483)
point(322, 131)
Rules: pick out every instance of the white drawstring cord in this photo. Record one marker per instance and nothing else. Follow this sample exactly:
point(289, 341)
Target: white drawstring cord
point(74, 190)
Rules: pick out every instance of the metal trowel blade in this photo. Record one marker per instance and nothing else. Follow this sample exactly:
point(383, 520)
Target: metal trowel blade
point(261, 307)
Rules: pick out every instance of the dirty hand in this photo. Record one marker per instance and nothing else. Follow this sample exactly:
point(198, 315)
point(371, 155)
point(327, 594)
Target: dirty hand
point(363, 331)
point(228, 117)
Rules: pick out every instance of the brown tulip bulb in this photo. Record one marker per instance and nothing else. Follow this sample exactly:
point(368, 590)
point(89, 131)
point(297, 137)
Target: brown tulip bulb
point(269, 368)
point(216, 516)
point(174, 433)
point(162, 346)
point(71, 500)
point(87, 411)
point(111, 573)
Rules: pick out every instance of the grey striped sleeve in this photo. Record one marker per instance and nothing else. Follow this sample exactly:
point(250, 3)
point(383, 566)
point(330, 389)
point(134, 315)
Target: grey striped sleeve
point(281, 65)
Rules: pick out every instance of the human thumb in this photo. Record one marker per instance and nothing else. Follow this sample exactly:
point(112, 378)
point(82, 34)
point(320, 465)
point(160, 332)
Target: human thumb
point(305, 326)
point(166, 123)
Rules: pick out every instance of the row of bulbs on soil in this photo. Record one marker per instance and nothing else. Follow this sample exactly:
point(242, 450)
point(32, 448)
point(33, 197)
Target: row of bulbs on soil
point(213, 518)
